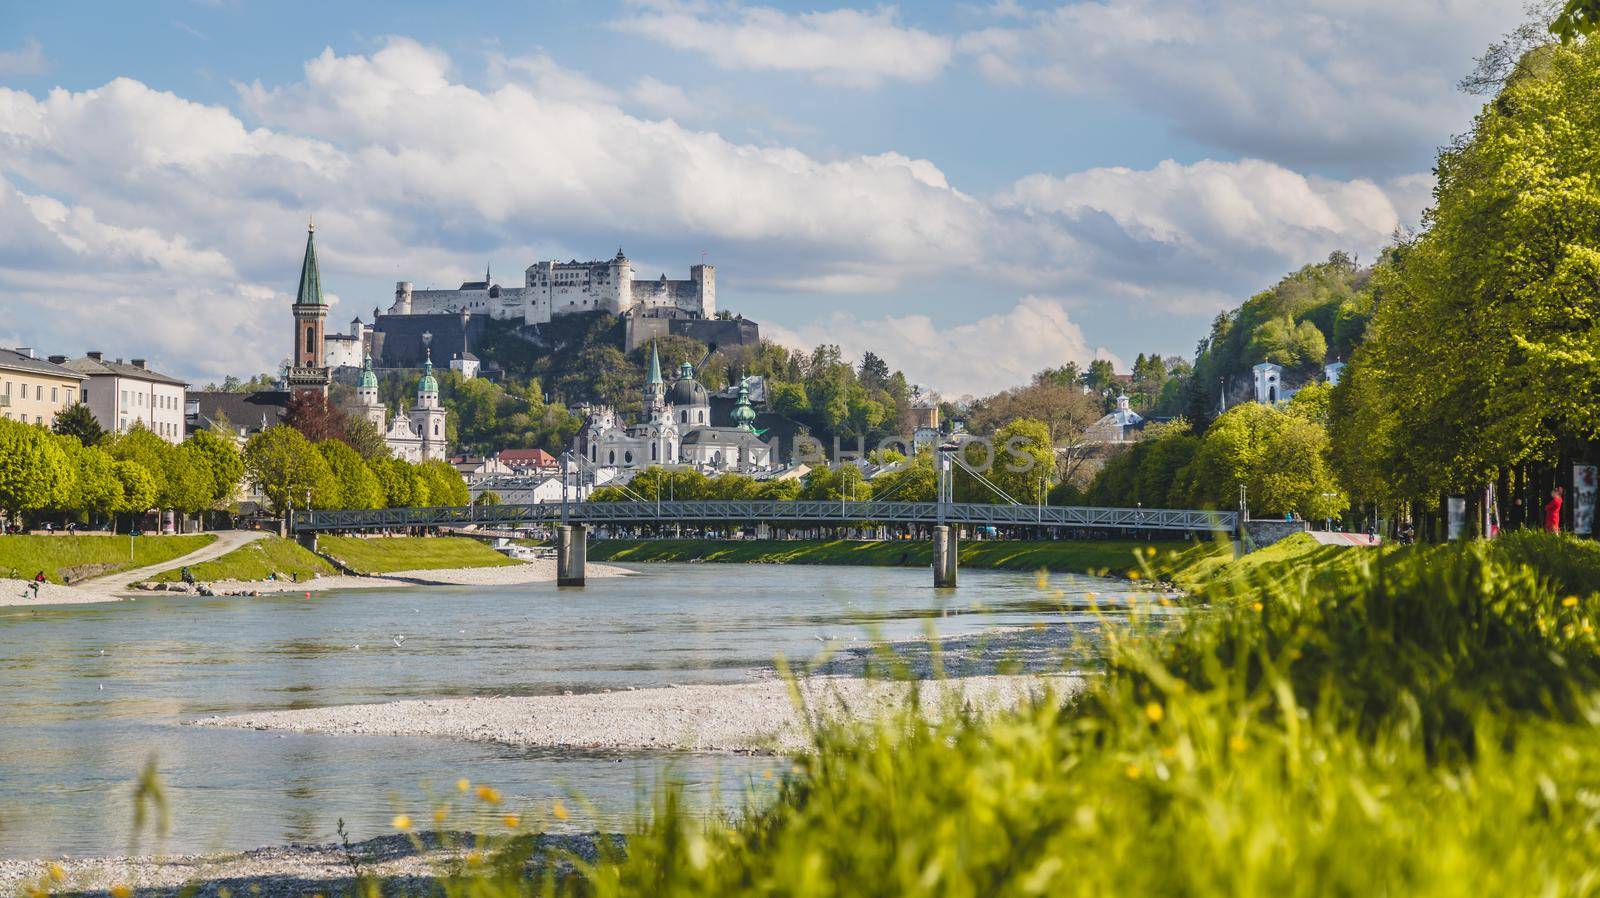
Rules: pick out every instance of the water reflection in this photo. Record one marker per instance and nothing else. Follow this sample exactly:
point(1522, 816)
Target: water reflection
point(91, 692)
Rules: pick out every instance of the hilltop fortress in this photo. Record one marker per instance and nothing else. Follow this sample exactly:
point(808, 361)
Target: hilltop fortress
point(563, 288)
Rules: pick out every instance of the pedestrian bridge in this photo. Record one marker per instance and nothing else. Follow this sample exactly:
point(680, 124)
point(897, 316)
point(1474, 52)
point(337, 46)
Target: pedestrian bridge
point(970, 514)
point(945, 519)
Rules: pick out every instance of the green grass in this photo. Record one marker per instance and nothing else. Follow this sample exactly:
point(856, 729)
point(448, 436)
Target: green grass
point(255, 561)
point(409, 553)
point(1059, 556)
point(1330, 725)
point(79, 557)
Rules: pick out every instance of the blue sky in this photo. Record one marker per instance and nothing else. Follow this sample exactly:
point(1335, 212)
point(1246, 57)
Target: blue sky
point(974, 190)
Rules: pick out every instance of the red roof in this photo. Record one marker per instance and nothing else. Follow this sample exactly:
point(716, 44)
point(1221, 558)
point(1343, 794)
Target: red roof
point(536, 458)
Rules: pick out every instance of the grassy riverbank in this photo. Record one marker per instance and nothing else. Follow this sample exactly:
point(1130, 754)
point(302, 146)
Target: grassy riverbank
point(258, 560)
point(382, 555)
point(1414, 722)
point(79, 557)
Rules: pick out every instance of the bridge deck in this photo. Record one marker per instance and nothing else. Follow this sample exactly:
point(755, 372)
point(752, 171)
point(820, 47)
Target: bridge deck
point(751, 512)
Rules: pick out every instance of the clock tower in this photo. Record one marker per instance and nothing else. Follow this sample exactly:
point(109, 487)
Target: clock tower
point(308, 369)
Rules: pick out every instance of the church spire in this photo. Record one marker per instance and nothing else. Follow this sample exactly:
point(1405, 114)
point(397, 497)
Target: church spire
point(310, 293)
point(655, 366)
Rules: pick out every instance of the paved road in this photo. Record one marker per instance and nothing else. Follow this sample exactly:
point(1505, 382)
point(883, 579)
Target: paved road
point(112, 585)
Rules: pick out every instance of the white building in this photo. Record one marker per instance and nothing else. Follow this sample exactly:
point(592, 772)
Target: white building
point(122, 395)
point(1333, 372)
point(415, 436)
point(1269, 384)
point(346, 350)
point(529, 490)
point(676, 428)
point(1117, 427)
point(562, 288)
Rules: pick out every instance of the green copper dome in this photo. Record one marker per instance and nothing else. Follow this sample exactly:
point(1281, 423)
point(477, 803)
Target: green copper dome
point(428, 383)
point(369, 380)
point(744, 417)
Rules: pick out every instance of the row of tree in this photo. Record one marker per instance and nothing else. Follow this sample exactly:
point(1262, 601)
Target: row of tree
point(80, 473)
point(293, 472)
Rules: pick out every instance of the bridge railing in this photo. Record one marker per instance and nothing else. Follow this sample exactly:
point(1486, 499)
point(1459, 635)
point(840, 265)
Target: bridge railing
point(755, 511)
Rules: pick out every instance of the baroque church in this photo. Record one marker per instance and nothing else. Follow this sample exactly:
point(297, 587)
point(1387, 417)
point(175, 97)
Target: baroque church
point(417, 435)
point(675, 429)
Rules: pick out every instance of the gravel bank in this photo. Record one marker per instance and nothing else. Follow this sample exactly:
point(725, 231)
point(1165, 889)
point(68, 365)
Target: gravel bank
point(292, 870)
point(538, 571)
point(745, 717)
point(20, 592)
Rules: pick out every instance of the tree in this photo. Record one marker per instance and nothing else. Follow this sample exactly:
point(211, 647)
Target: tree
point(188, 486)
point(874, 371)
point(1025, 460)
point(34, 472)
point(1100, 375)
point(98, 490)
point(287, 469)
point(364, 438)
point(1577, 18)
point(138, 487)
point(403, 485)
point(77, 421)
point(486, 498)
point(314, 416)
point(222, 462)
point(153, 453)
point(914, 481)
point(358, 486)
point(444, 483)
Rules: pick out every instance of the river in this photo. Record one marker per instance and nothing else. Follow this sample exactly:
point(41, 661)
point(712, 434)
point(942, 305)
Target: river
point(91, 692)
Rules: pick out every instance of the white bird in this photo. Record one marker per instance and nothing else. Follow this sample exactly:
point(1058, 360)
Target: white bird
point(358, 647)
point(399, 641)
point(102, 687)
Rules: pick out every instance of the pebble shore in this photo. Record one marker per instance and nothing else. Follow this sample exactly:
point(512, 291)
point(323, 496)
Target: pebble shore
point(755, 717)
point(404, 865)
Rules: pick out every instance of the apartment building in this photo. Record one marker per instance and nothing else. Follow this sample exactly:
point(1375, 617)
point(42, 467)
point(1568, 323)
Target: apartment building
point(123, 394)
point(34, 390)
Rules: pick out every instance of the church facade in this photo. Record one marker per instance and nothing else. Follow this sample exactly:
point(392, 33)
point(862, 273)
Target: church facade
point(554, 288)
point(675, 429)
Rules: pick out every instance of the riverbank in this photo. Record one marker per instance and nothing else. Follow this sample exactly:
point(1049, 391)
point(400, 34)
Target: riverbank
point(80, 557)
point(760, 717)
point(290, 871)
point(514, 573)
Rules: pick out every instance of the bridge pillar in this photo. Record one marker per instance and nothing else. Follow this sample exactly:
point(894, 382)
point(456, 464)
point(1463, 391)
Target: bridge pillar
point(946, 546)
point(307, 540)
point(572, 552)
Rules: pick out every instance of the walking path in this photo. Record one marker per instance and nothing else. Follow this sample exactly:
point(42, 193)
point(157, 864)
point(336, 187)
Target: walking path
point(114, 586)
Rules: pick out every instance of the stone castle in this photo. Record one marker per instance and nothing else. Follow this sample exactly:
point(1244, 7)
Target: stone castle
point(563, 288)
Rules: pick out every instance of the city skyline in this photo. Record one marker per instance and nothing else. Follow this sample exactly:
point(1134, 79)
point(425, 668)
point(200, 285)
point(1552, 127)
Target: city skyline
point(972, 192)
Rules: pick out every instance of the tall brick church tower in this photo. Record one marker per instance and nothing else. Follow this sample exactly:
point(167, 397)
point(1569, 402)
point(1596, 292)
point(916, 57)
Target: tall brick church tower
point(309, 370)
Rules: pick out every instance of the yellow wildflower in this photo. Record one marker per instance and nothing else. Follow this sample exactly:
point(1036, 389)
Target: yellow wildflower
point(1133, 575)
point(1237, 743)
point(1256, 606)
point(487, 793)
point(512, 821)
point(121, 891)
point(1155, 712)
point(440, 813)
point(766, 774)
point(463, 784)
point(56, 873)
point(1132, 771)
point(560, 810)
point(401, 822)
point(1569, 602)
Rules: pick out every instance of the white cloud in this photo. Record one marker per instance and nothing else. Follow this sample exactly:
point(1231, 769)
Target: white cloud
point(29, 59)
point(850, 47)
point(1296, 81)
point(414, 175)
point(671, 101)
point(975, 358)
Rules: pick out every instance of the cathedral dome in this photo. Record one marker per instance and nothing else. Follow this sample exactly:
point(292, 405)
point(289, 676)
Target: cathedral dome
point(686, 390)
point(369, 379)
point(744, 417)
point(428, 384)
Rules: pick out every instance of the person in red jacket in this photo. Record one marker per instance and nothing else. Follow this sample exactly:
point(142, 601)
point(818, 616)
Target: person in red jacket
point(1552, 512)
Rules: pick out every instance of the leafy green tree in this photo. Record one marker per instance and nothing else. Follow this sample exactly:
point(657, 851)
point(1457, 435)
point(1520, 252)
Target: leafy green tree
point(188, 486)
point(403, 485)
point(358, 486)
point(77, 421)
point(364, 438)
point(34, 472)
point(1577, 18)
point(98, 490)
point(222, 462)
point(1100, 375)
point(914, 481)
point(444, 483)
point(487, 497)
point(288, 469)
point(842, 481)
point(138, 487)
point(1025, 460)
point(153, 453)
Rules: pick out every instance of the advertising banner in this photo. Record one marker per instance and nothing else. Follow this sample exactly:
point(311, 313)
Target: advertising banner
point(1585, 480)
point(1455, 513)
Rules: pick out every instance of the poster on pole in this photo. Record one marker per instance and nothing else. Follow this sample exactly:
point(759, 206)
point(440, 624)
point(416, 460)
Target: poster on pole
point(1585, 480)
point(1455, 514)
